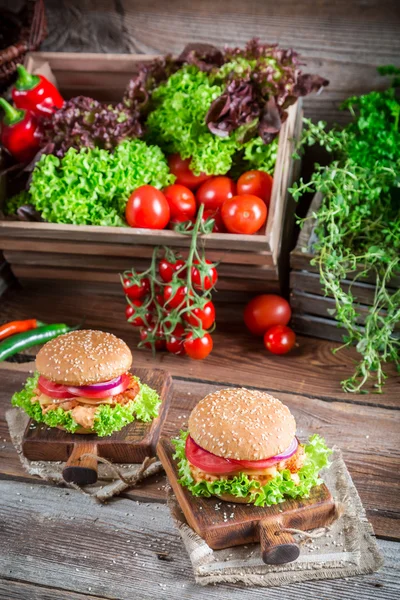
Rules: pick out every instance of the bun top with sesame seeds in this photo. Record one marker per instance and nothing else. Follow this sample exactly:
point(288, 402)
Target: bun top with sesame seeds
point(83, 358)
point(242, 424)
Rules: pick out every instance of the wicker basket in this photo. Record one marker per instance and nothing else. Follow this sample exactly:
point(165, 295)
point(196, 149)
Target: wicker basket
point(29, 29)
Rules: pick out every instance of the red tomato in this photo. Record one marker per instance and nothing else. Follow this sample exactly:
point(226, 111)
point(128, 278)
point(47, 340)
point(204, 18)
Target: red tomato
point(147, 207)
point(167, 269)
point(135, 291)
point(244, 214)
point(279, 339)
point(256, 183)
point(206, 461)
point(219, 226)
point(54, 390)
point(181, 201)
point(215, 191)
point(160, 338)
point(181, 169)
point(204, 280)
point(176, 339)
point(175, 297)
point(137, 321)
point(201, 317)
point(198, 348)
point(265, 311)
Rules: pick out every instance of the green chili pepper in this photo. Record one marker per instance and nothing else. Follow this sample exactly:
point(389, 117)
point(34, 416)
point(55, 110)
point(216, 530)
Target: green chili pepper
point(21, 341)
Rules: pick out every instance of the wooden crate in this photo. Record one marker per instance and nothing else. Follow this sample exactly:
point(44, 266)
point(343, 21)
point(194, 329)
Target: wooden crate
point(77, 255)
point(310, 307)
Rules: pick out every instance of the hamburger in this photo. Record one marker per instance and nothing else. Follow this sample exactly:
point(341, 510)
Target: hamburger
point(241, 446)
point(82, 385)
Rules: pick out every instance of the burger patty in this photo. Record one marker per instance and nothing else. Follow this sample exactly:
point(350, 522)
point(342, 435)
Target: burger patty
point(293, 464)
point(83, 409)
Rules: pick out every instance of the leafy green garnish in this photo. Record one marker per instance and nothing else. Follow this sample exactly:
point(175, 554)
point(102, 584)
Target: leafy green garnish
point(92, 186)
point(275, 491)
point(108, 419)
point(358, 227)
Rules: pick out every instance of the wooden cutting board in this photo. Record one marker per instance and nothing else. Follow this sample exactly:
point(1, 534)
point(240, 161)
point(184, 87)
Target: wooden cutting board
point(225, 524)
point(132, 444)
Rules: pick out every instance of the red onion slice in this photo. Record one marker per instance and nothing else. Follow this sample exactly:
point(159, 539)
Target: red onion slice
point(98, 387)
point(289, 451)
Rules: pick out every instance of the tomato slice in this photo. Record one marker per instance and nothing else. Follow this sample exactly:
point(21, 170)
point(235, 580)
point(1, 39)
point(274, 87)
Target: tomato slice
point(207, 461)
point(210, 463)
point(54, 390)
point(87, 391)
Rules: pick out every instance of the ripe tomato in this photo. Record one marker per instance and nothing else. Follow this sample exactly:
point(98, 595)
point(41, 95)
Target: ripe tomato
point(256, 183)
point(175, 340)
point(137, 321)
point(175, 297)
point(219, 226)
point(204, 279)
point(167, 269)
point(201, 317)
point(181, 201)
point(279, 339)
point(215, 191)
point(159, 343)
point(207, 461)
point(147, 207)
point(181, 169)
point(244, 214)
point(198, 348)
point(135, 291)
point(265, 311)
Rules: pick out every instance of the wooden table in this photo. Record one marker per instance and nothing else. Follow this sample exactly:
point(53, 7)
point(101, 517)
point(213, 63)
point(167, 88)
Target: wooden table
point(36, 560)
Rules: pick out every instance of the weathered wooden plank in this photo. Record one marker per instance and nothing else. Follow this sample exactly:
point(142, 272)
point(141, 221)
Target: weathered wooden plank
point(17, 590)
point(238, 358)
point(111, 548)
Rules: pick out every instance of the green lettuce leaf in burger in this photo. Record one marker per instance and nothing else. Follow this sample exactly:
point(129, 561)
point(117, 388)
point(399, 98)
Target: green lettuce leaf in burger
point(83, 385)
point(242, 447)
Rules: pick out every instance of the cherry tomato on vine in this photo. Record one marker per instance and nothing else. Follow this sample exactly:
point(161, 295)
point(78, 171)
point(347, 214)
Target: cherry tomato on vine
point(219, 226)
point(175, 297)
point(167, 269)
point(201, 317)
point(256, 183)
point(137, 321)
point(214, 192)
point(147, 207)
point(175, 340)
point(159, 343)
point(184, 176)
point(279, 339)
point(204, 280)
point(198, 348)
point(135, 291)
point(244, 214)
point(265, 311)
point(181, 201)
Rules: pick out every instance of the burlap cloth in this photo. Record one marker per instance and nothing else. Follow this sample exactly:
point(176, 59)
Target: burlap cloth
point(112, 478)
point(345, 548)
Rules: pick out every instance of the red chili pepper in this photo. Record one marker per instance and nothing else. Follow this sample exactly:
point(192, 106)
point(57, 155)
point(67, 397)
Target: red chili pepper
point(14, 327)
point(19, 132)
point(36, 93)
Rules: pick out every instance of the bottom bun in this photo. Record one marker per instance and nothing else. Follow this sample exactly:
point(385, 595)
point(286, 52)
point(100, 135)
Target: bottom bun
point(80, 430)
point(234, 499)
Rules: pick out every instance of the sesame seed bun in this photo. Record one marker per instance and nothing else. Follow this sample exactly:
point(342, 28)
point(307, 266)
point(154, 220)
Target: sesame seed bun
point(242, 424)
point(83, 358)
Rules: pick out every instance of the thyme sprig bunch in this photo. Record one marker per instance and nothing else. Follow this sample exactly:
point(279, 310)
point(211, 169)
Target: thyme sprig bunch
point(358, 227)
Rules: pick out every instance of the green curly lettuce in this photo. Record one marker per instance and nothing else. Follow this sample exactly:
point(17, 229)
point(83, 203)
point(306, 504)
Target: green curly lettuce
point(91, 186)
point(178, 124)
point(107, 419)
point(275, 491)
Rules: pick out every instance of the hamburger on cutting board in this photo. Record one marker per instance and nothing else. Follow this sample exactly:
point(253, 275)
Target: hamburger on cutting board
point(242, 447)
point(83, 385)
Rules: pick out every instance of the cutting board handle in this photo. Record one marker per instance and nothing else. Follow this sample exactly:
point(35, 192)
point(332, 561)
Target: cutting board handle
point(277, 546)
point(80, 469)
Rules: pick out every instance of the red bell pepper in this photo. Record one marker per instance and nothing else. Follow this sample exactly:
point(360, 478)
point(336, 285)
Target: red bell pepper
point(19, 132)
point(36, 93)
